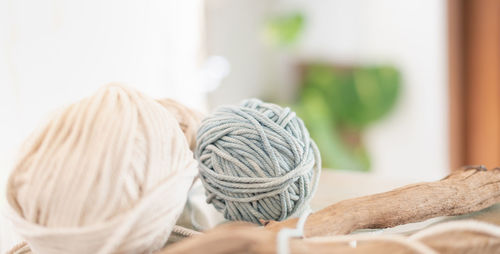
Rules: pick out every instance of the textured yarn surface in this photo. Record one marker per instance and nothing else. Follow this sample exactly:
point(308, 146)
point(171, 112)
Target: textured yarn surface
point(189, 119)
point(108, 174)
point(257, 161)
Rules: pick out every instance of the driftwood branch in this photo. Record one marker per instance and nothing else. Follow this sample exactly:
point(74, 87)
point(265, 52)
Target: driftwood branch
point(466, 190)
point(245, 238)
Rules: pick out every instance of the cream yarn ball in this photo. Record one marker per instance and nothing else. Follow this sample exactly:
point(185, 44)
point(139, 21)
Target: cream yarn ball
point(108, 174)
point(189, 119)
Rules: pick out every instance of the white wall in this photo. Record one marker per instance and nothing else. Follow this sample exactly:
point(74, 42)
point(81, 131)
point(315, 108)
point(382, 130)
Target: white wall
point(413, 140)
point(55, 52)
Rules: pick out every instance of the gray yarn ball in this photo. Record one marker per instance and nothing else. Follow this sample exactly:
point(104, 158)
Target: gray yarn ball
point(257, 161)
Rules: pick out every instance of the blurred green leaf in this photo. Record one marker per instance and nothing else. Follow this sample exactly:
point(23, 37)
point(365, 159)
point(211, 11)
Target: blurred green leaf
point(337, 104)
point(356, 97)
point(334, 153)
point(284, 30)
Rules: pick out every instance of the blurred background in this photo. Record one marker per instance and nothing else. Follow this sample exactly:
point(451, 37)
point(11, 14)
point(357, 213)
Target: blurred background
point(395, 88)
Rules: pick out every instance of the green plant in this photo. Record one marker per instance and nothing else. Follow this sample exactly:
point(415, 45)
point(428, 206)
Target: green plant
point(284, 30)
point(337, 104)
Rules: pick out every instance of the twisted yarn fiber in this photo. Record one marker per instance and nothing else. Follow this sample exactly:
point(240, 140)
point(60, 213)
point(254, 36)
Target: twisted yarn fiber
point(108, 174)
point(257, 161)
point(188, 119)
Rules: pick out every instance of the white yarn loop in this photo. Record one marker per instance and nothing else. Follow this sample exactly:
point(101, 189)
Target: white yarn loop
point(283, 242)
point(414, 241)
point(353, 240)
point(464, 225)
point(108, 174)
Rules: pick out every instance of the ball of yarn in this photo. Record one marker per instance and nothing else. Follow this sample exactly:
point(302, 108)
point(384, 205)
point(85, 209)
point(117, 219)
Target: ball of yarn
point(257, 161)
point(108, 174)
point(188, 119)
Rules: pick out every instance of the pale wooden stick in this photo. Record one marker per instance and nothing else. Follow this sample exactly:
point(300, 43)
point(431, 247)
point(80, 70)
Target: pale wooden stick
point(245, 238)
point(464, 191)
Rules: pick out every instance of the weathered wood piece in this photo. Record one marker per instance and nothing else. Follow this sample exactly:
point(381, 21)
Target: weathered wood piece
point(463, 191)
point(467, 190)
point(245, 238)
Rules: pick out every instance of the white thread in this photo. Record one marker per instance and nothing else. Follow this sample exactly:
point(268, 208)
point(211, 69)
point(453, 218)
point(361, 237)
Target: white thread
point(283, 241)
point(466, 225)
point(413, 241)
point(349, 239)
point(353, 244)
